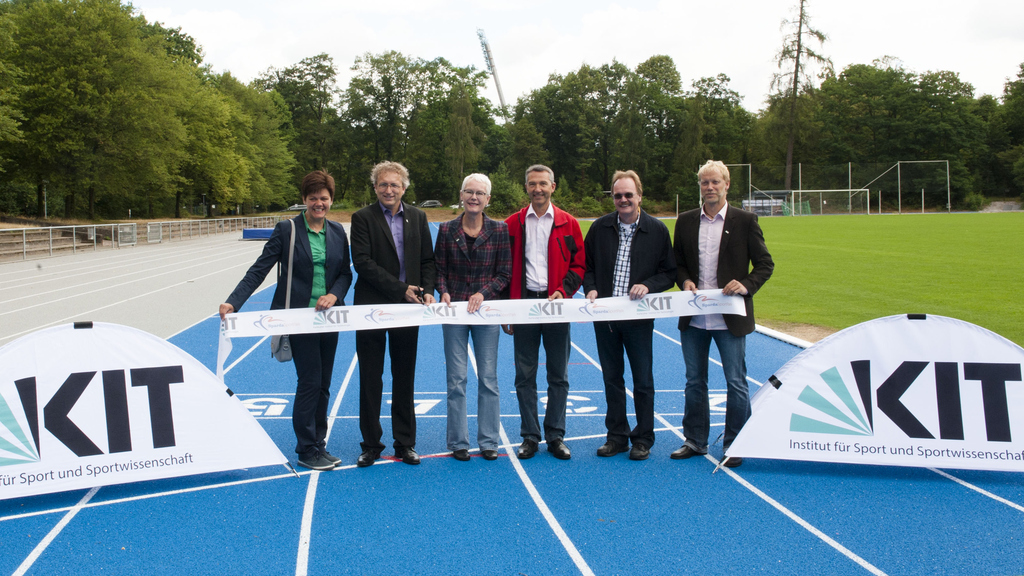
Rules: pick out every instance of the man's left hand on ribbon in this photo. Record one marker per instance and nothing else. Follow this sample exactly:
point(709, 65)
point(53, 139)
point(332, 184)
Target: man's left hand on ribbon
point(412, 296)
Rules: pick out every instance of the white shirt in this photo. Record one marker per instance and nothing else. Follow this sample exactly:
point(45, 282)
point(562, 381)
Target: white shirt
point(709, 241)
point(538, 232)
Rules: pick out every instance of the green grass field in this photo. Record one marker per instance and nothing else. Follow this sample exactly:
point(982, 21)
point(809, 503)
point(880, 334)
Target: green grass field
point(837, 271)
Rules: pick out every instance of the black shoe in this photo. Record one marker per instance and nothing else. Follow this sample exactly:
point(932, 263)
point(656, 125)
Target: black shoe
point(559, 450)
point(367, 458)
point(639, 452)
point(610, 448)
point(328, 456)
point(734, 462)
point(489, 454)
point(407, 455)
point(462, 455)
point(527, 449)
point(316, 461)
point(685, 452)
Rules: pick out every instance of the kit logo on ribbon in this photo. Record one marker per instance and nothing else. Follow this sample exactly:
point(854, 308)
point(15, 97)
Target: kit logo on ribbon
point(552, 309)
point(654, 304)
point(331, 317)
point(432, 311)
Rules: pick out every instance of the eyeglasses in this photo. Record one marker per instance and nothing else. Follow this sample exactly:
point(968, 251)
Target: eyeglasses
point(386, 185)
point(479, 193)
point(621, 195)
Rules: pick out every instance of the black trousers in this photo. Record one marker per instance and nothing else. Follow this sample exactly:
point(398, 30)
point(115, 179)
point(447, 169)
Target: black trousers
point(370, 346)
point(635, 337)
point(313, 355)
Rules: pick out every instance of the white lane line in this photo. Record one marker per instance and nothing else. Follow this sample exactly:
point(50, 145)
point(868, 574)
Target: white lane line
point(803, 523)
point(112, 304)
point(38, 550)
point(771, 501)
point(175, 266)
point(577, 558)
point(286, 476)
point(175, 271)
point(979, 490)
point(306, 530)
point(152, 495)
point(247, 352)
point(713, 361)
point(176, 259)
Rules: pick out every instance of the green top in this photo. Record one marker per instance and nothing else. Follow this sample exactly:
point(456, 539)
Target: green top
point(318, 246)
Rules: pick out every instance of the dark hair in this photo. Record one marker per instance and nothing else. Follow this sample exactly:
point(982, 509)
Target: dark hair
point(317, 181)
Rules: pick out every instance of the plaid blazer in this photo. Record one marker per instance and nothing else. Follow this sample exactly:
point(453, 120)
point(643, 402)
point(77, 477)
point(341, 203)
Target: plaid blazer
point(490, 268)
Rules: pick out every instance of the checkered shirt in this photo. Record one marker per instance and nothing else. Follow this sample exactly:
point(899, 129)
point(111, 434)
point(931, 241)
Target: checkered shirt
point(621, 285)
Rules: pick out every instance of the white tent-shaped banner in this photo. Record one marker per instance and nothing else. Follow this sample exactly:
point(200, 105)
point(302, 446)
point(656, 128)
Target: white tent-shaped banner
point(908, 390)
point(96, 404)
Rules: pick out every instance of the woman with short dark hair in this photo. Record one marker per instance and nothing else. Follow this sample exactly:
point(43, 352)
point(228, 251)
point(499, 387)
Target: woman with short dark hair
point(321, 277)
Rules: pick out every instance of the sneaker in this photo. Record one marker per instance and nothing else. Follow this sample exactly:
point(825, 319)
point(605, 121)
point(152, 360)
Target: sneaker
point(330, 458)
point(316, 461)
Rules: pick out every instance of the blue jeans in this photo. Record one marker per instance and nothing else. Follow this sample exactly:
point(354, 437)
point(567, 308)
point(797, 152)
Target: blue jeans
point(696, 344)
point(456, 354)
point(528, 338)
point(635, 338)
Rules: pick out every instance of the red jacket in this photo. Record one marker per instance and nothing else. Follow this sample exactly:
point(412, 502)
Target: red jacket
point(566, 262)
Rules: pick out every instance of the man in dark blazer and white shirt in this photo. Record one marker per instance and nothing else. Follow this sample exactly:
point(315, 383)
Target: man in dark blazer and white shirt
point(717, 246)
point(394, 261)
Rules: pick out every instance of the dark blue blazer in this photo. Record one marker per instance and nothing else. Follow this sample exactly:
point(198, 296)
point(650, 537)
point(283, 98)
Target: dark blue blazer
point(337, 271)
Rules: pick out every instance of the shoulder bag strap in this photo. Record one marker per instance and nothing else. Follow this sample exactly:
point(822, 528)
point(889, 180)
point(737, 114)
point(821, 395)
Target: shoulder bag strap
point(291, 258)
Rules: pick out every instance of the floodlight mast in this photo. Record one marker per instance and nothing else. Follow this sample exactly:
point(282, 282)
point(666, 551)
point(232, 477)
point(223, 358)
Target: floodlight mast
point(491, 67)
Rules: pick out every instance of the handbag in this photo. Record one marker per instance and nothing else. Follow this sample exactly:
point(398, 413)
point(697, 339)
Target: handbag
point(281, 344)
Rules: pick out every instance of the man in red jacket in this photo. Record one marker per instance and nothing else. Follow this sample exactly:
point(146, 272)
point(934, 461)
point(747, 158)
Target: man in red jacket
point(547, 262)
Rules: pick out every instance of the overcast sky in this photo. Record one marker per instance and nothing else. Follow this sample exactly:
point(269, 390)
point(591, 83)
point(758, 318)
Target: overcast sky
point(982, 40)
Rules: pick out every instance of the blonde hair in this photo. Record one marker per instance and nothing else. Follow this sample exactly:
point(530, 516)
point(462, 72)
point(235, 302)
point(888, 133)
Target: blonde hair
point(716, 166)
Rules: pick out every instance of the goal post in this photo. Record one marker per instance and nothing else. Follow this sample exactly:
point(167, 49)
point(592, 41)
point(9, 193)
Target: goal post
point(809, 202)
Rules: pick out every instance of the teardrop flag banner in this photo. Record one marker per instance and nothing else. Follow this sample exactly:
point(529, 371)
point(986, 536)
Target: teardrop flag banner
point(908, 390)
point(89, 404)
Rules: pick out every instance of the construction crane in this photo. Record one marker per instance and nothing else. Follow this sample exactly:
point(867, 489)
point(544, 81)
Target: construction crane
point(491, 67)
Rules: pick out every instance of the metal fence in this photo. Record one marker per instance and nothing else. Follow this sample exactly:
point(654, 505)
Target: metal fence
point(157, 232)
point(26, 243)
point(850, 188)
point(44, 242)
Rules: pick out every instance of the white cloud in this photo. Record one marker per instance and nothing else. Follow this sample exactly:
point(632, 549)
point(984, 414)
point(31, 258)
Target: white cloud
point(531, 39)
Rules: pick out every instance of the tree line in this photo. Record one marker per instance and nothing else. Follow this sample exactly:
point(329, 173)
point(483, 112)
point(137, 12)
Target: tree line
point(102, 112)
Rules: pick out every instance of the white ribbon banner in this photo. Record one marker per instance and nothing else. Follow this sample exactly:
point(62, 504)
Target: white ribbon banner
point(377, 316)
